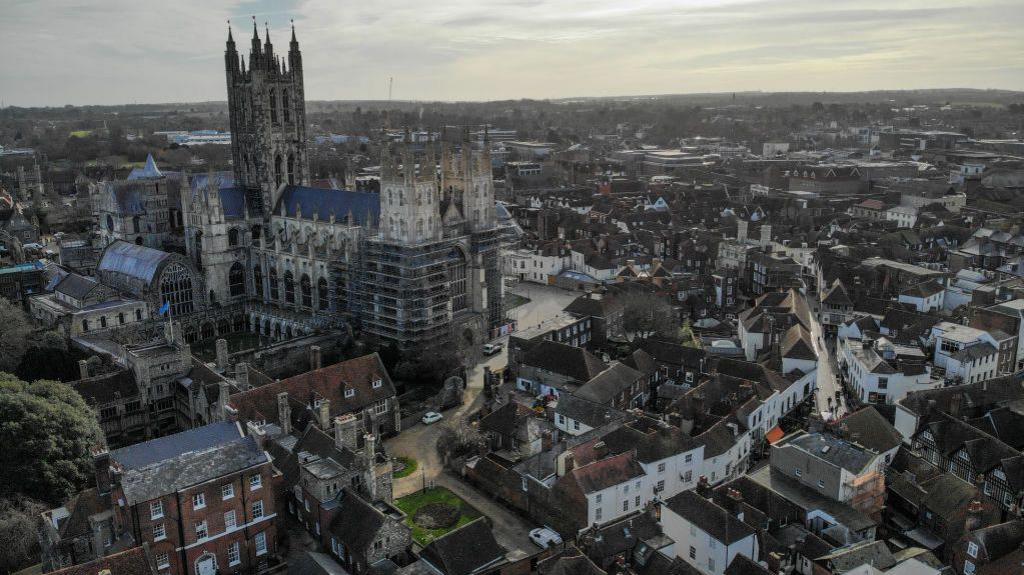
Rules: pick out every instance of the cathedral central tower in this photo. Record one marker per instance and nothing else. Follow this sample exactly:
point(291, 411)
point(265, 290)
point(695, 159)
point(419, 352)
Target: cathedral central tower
point(267, 109)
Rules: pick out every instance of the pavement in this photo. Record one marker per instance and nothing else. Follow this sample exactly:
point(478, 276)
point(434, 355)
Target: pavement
point(828, 383)
point(420, 441)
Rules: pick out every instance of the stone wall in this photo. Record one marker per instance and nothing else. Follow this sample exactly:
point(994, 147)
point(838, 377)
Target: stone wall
point(288, 358)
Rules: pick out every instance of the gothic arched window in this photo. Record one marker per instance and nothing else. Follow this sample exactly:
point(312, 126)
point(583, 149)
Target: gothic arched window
point(291, 169)
point(110, 222)
point(273, 107)
point(321, 293)
point(286, 106)
point(289, 287)
point(307, 291)
point(274, 290)
point(236, 279)
point(233, 237)
point(135, 224)
point(277, 170)
point(176, 289)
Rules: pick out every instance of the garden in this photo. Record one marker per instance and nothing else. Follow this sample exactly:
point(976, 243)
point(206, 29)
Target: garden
point(433, 512)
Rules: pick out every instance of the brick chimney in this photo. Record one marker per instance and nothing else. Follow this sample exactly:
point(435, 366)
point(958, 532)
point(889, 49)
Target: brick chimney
point(735, 502)
point(703, 487)
point(974, 512)
point(346, 432)
point(101, 465)
point(284, 413)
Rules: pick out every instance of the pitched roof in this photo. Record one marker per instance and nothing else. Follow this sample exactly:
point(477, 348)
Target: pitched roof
point(837, 295)
point(585, 411)
point(331, 383)
point(923, 289)
point(168, 446)
point(132, 260)
point(833, 450)
point(464, 550)
point(108, 387)
point(364, 206)
point(357, 522)
point(673, 353)
point(573, 362)
point(796, 344)
point(869, 428)
point(192, 468)
point(709, 517)
point(650, 439)
point(76, 286)
point(607, 385)
point(614, 470)
point(133, 561)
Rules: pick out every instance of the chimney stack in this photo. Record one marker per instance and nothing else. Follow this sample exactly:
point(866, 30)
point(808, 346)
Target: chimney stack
point(741, 230)
point(315, 357)
point(284, 413)
point(221, 346)
point(371, 463)
point(222, 401)
point(974, 512)
point(101, 465)
point(346, 432)
point(324, 414)
point(703, 487)
point(83, 369)
point(735, 502)
point(242, 375)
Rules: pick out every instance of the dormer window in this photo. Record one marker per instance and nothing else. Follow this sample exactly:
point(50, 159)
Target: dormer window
point(377, 383)
point(350, 392)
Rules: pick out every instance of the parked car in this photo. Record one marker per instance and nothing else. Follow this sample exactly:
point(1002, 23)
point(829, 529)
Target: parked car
point(431, 417)
point(491, 348)
point(545, 537)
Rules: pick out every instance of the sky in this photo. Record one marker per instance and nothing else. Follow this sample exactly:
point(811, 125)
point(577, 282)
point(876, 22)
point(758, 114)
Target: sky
point(57, 52)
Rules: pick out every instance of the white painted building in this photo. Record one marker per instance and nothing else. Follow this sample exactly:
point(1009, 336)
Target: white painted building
point(706, 536)
point(882, 371)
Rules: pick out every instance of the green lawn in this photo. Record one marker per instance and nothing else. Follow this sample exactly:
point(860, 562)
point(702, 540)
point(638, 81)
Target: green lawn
point(410, 503)
point(410, 467)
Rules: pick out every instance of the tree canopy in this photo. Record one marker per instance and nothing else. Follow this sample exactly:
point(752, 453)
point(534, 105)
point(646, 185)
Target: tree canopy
point(47, 432)
point(645, 315)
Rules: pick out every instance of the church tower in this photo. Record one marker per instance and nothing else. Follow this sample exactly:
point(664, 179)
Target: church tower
point(409, 212)
point(267, 109)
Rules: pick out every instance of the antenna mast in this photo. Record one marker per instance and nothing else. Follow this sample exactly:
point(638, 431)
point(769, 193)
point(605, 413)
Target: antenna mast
point(391, 81)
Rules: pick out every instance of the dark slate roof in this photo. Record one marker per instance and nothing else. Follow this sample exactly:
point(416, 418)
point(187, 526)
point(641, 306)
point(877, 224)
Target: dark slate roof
point(874, 553)
point(753, 372)
point(132, 260)
point(743, 565)
point(314, 563)
point(1000, 539)
point(606, 473)
point(161, 448)
point(621, 536)
point(586, 411)
point(464, 550)
point(607, 385)
point(976, 351)
point(364, 206)
point(260, 404)
point(923, 289)
point(673, 353)
point(108, 387)
point(709, 517)
point(569, 561)
point(80, 507)
point(948, 495)
point(76, 286)
point(133, 561)
point(357, 522)
point(313, 442)
point(651, 439)
point(573, 362)
point(641, 361)
point(796, 344)
point(505, 420)
point(837, 295)
point(869, 428)
point(833, 450)
point(192, 468)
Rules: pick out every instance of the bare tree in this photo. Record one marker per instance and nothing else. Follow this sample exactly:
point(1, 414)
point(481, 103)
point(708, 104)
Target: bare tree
point(645, 315)
point(19, 519)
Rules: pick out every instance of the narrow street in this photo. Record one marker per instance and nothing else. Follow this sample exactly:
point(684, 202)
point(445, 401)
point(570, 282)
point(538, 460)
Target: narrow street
point(828, 382)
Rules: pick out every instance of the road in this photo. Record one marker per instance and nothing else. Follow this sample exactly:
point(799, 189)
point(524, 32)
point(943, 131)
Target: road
point(828, 383)
point(420, 441)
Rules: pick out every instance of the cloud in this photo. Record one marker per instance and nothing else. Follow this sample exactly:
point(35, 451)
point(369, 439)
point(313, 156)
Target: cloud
point(122, 51)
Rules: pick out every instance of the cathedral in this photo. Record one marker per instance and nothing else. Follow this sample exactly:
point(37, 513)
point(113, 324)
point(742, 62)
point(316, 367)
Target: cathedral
point(415, 265)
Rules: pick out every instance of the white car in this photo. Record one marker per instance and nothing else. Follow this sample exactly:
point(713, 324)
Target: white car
point(545, 537)
point(431, 417)
point(491, 348)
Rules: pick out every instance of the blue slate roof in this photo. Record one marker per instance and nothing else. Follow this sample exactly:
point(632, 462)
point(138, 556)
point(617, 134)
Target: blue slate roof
point(129, 197)
point(326, 202)
point(132, 260)
point(149, 172)
point(231, 198)
point(161, 448)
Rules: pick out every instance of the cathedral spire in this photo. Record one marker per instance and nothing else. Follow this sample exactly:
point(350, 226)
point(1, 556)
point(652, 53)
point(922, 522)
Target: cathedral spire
point(255, 52)
point(231, 40)
point(294, 42)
